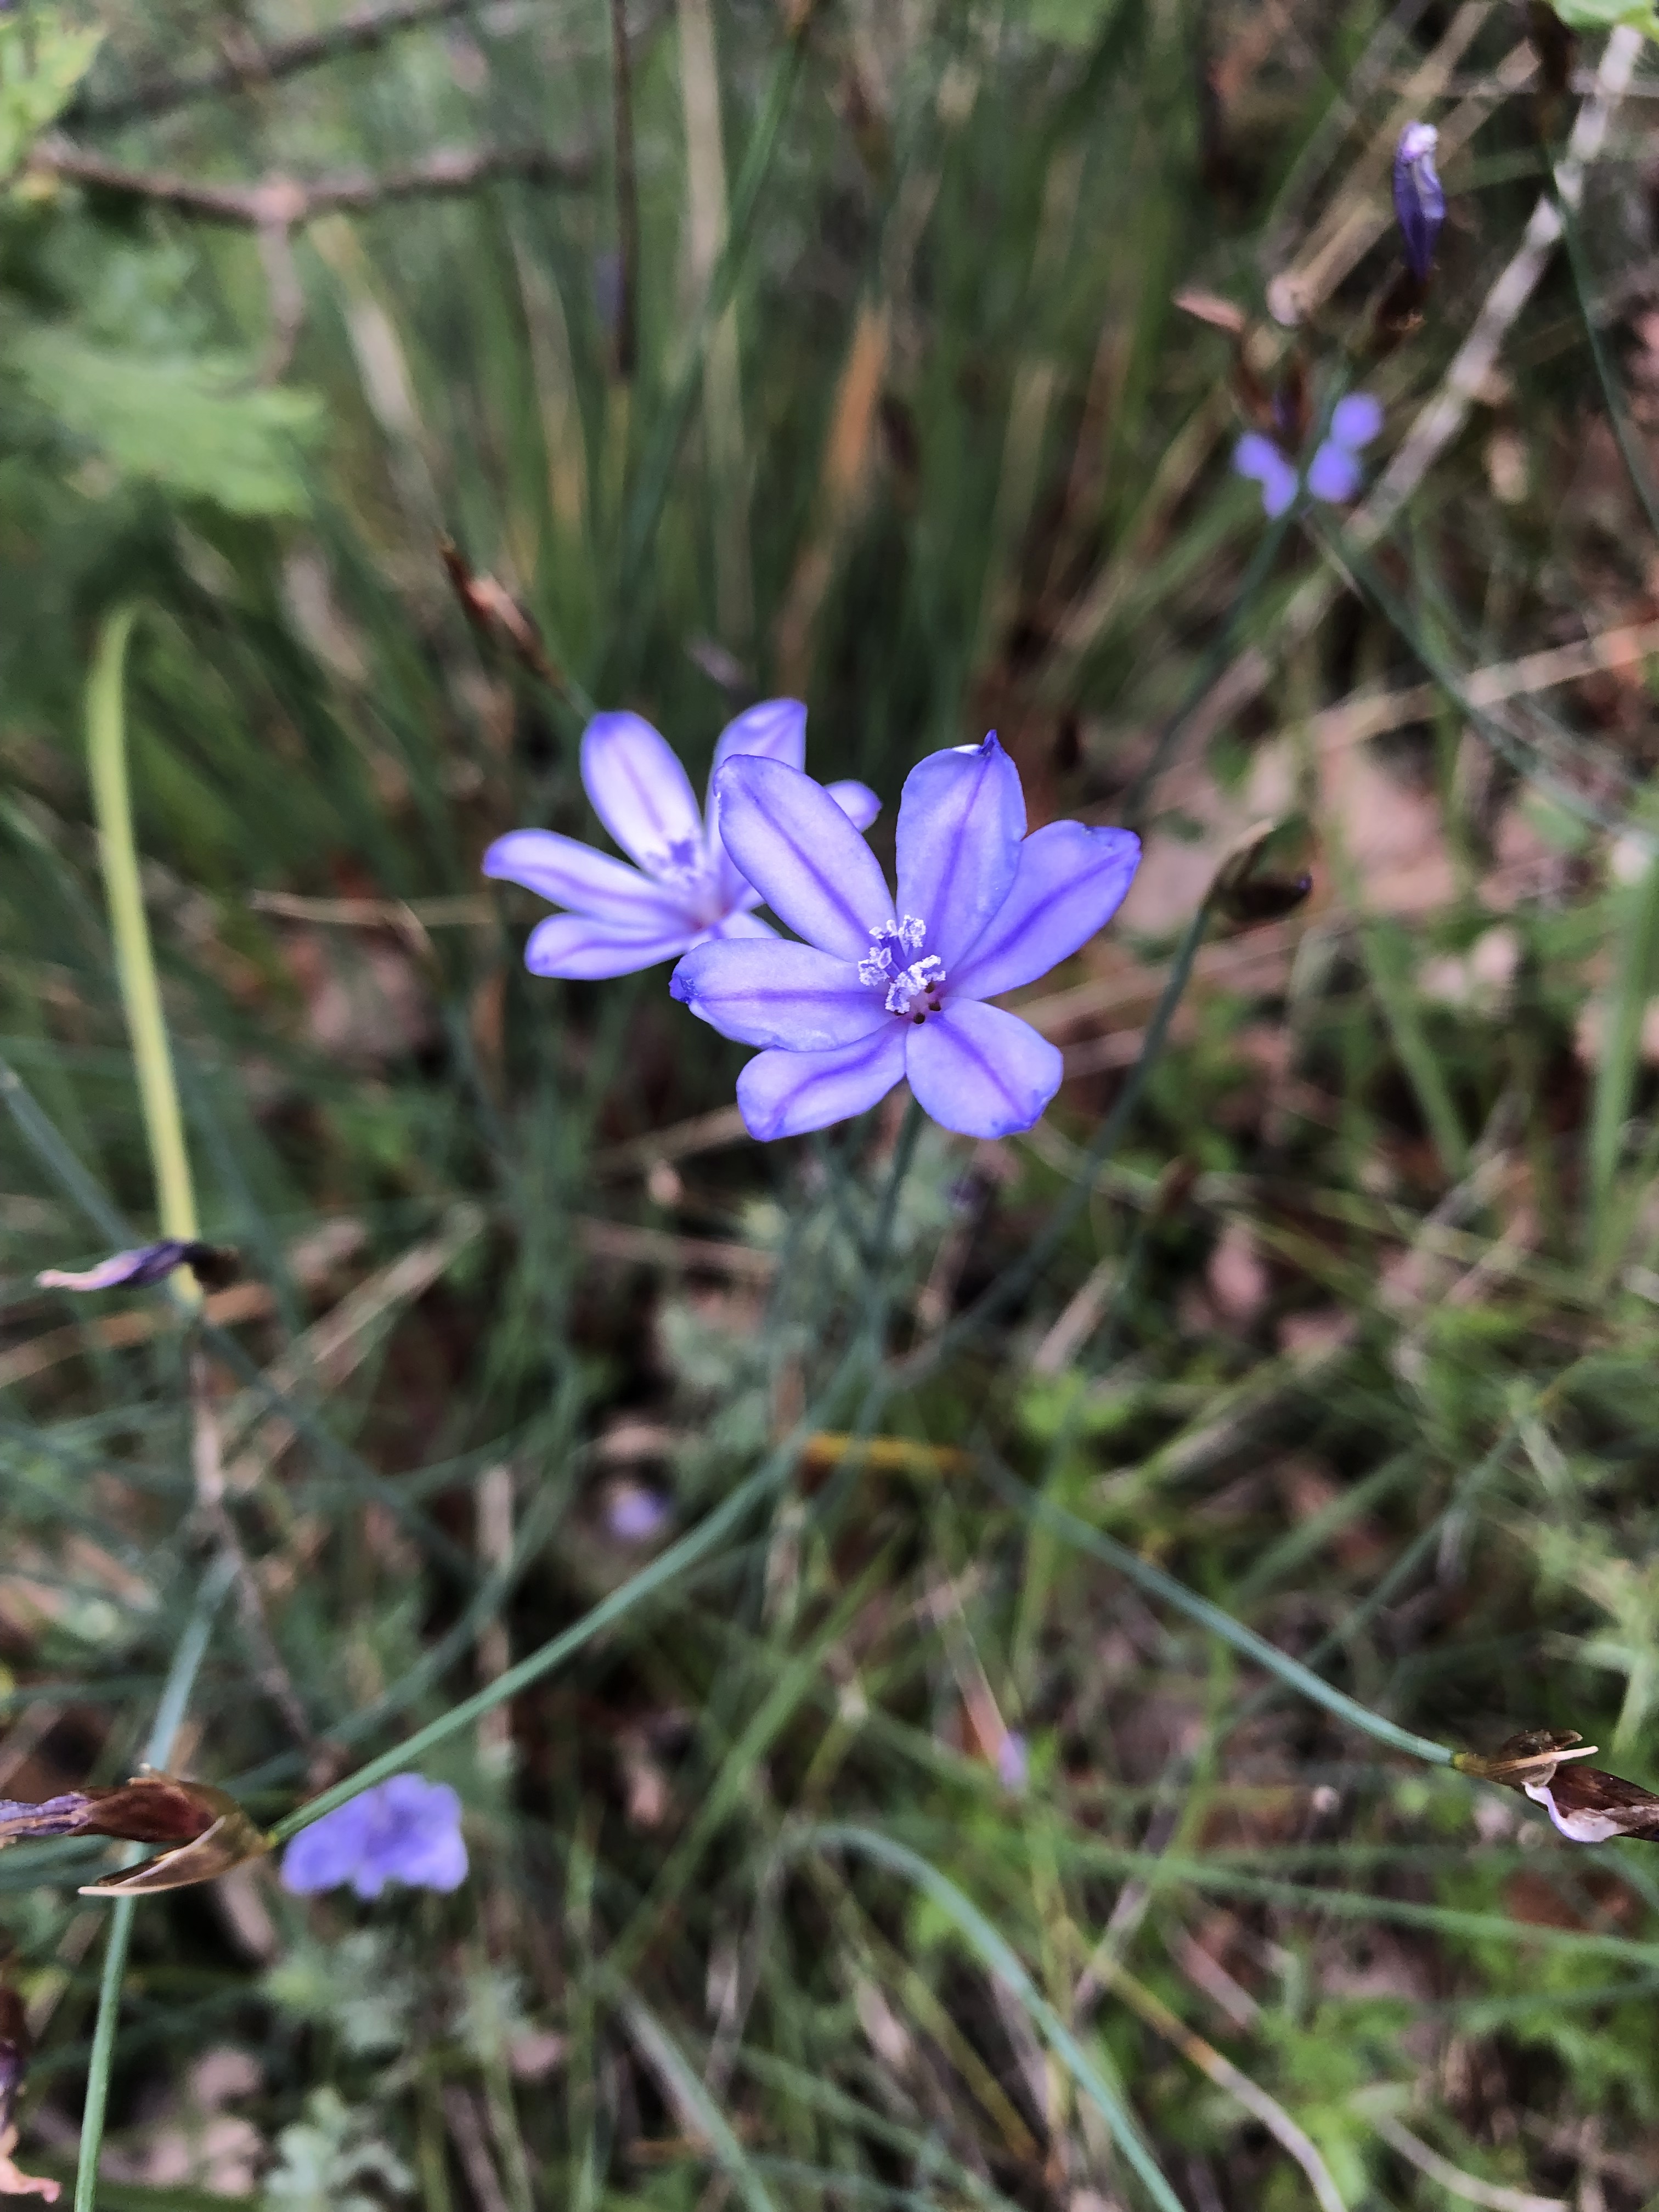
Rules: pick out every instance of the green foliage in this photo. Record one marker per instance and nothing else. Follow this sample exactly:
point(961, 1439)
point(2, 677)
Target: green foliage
point(1606, 14)
point(333, 2161)
point(43, 59)
point(188, 423)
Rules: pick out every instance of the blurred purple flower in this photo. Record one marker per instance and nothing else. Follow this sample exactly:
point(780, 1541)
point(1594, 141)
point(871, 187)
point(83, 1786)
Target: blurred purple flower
point(1333, 472)
point(621, 920)
point(634, 1515)
point(406, 1830)
point(1013, 1759)
point(1419, 199)
point(883, 990)
point(150, 1263)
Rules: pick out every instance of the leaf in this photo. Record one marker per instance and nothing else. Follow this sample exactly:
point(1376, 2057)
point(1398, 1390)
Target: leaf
point(1070, 22)
point(1608, 15)
point(40, 66)
point(181, 423)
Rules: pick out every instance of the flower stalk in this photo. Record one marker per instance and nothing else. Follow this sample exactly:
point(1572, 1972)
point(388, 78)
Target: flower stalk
point(135, 963)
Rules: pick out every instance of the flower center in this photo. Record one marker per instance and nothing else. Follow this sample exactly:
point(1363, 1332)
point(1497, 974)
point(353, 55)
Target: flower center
point(911, 991)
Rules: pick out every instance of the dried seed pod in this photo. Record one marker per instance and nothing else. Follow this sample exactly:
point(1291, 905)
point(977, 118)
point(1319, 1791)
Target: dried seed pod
point(1264, 876)
point(207, 1829)
point(495, 615)
point(1586, 1805)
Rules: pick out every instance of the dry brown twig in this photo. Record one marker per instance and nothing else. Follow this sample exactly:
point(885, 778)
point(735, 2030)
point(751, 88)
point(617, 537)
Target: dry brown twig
point(283, 204)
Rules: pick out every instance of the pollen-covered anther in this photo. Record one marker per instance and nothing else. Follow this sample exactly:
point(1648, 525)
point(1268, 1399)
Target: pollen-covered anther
point(920, 981)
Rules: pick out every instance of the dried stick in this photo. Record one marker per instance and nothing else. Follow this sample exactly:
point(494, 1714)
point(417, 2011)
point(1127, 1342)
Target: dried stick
point(279, 203)
point(358, 33)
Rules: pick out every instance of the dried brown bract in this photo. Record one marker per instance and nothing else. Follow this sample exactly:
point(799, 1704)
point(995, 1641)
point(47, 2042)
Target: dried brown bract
point(207, 1829)
point(496, 616)
point(1586, 1805)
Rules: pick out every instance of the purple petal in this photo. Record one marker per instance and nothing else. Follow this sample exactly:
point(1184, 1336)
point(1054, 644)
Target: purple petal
point(147, 1263)
point(961, 815)
point(1355, 420)
point(576, 946)
point(414, 1838)
point(571, 874)
point(856, 801)
point(785, 1094)
point(775, 730)
point(1334, 474)
point(739, 923)
point(642, 794)
point(1258, 457)
point(330, 1851)
point(1013, 1760)
point(981, 1071)
point(776, 993)
point(802, 854)
point(1070, 881)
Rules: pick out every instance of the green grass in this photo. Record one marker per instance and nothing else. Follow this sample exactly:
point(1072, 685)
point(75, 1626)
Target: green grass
point(1277, 1418)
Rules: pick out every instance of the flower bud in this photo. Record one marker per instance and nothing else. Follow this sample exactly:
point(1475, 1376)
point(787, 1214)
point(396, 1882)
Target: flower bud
point(1419, 199)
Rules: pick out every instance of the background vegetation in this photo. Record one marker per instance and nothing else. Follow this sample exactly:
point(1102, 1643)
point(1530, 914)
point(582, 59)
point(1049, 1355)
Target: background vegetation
point(882, 1842)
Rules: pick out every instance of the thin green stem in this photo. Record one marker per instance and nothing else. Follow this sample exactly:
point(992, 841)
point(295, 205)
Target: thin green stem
point(1156, 1583)
point(169, 1713)
point(135, 963)
point(696, 1545)
point(999, 1956)
point(1018, 1279)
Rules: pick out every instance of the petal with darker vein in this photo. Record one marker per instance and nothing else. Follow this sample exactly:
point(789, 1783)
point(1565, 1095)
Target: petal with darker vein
point(770, 993)
point(785, 1094)
point(981, 1071)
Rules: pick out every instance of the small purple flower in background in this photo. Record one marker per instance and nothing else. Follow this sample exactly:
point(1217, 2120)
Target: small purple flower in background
point(634, 1514)
point(884, 989)
point(405, 1830)
point(1334, 473)
point(1419, 199)
point(1013, 1760)
point(621, 920)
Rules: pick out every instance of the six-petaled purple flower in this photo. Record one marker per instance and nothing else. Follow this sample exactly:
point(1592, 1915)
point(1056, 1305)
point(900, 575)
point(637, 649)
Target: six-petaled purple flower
point(686, 889)
point(405, 1830)
point(1419, 199)
point(883, 989)
point(1332, 474)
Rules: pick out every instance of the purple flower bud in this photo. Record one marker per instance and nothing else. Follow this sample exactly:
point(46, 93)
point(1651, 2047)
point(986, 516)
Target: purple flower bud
point(148, 1263)
point(151, 1263)
point(1013, 1760)
point(1419, 199)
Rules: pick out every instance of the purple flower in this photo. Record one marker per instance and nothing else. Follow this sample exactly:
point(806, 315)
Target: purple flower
point(883, 989)
point(622, 920)
point(1013, 1760)
point(1333, 472)
point(1419, 199)
point(407, 1829)
point(634, 1514)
